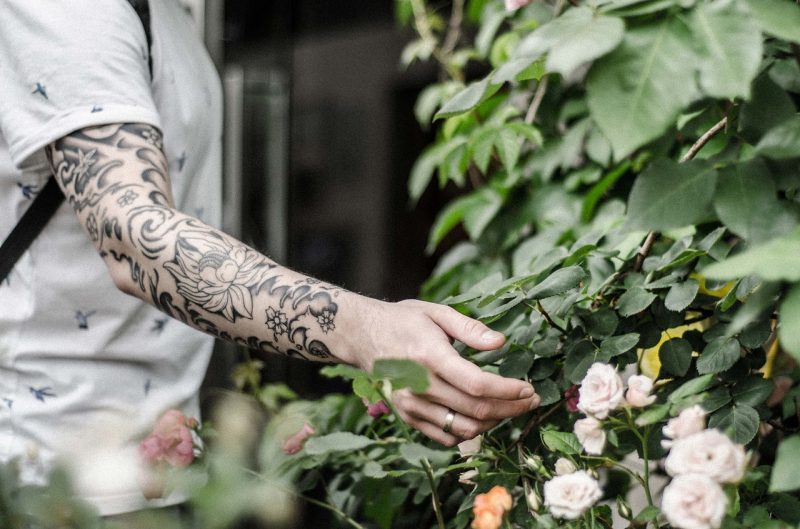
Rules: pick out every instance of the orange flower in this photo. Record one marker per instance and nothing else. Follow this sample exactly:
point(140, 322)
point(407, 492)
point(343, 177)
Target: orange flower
point(490, 507)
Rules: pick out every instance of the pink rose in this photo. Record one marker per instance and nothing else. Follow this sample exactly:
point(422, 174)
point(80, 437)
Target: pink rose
point(378, 409)
point(694, 501)
point(601, 391)
point(710, 453)
point(639, 388)
point(171, 441)
point(688, 422)
point(570, 495)
point(591, 435)
point(295, 443)
point(512, 5)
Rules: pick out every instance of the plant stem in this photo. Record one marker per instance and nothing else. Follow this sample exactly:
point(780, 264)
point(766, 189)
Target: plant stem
point(549, 319)
point(423, 27)
point(705, 138)
point(534, 422)
point(453, 27)
point(437, 505)
point(541, 90)
point(644, 251)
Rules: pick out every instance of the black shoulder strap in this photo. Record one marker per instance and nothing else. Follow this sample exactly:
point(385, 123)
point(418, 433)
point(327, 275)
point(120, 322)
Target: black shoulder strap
point(50, 197)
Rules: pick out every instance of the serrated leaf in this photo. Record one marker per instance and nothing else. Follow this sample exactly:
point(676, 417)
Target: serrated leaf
point(508, 147)
point(739, 421)
point(782, 141)
point(747, 202)
point(548, 392)
point(637, 91)
point(616, 345)
point(690, 388)
point(601, 323)
point(482, 145)
point(671, 195)
point(468, 98)
point(414, 453)
point(752, 391)
point(653, 415)
point(562, 442)
point(558, 282)
point(785, 476)
point(780, 18)
point(675, 356)
point(336, 442)
point(402, 374)
point(576, 37)
point(776, 260)
point(719, 355)
point(681, 295)
point(634, 301)
point(426, 164)
point(789, 322)
point(730, 44)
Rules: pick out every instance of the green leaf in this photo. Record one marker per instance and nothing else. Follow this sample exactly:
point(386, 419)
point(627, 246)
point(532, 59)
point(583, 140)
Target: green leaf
point(789, 322)
point(548, 392)
point(776, 260)
point(414, 453)
point(671, 195)
point(558, 282)
point(424, 167)
point(336, 442)
point(637, 91)
point(690, 388)
point(780, 18)
point(402, 374)
point(468, 98)
point(601, 323)
point(616, 345)
point(785, 476)
point(747, 202)
point(364, 387)
point(342, 370)
point(482, 144)
point(781, 142)
point(508, 146)
point(634, 301)
point(653, 415)
point(563, 442)
point(730, 41)
point(576, 37)
point(719, 355)
point(482, 208)
point(752, 391)
point(676, 356)
point(681, 295)
point(739, 421)
point(647, 514)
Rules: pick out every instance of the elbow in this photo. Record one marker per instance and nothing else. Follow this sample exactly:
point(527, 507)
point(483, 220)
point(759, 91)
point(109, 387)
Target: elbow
point(124, 272)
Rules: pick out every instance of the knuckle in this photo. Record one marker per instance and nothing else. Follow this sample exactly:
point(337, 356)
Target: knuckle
point(482, 411)
point(476, 386)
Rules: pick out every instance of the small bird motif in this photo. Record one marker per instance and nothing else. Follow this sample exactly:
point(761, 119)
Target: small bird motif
point(42, 393)
point(28, 190)
point(83, 318)
point(182, 161)
point(158, 325)
point(41, 90)
point(96, 108)
point(8, 402)
point(148, 384)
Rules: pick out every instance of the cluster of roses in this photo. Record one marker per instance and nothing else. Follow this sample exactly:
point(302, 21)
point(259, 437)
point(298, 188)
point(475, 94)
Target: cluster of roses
point(700, 460)
point(489, 508)
point(171, 444)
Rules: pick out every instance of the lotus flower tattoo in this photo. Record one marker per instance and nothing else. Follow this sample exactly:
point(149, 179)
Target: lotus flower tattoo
point(215, 274)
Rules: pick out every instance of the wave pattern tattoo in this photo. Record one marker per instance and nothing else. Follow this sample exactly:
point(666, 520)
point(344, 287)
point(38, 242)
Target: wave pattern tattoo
point(116, 178)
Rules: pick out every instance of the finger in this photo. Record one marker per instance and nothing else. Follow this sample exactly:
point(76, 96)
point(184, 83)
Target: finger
point(428, 429)
point(462, 426)
point(465, 329)
point(482, 409)
point(470, 379)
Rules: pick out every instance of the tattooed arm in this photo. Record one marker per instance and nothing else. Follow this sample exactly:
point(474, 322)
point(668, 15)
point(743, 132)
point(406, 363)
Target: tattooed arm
point(116, 179)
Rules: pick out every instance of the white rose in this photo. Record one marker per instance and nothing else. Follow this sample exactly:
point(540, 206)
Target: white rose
point(512, 5)
point(601, 391)
point(564, 466)
point(639, 388)
point(466, 477)
point(590, 434)
point(689, 421)
point(570, 495)
point(710, 453)
point(694, 501)
point(470, 447)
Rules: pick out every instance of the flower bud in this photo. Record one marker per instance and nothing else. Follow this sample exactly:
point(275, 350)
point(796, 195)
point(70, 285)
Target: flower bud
point(623, 508)
point(564, 466)
point(534, 463)
point(533, 500)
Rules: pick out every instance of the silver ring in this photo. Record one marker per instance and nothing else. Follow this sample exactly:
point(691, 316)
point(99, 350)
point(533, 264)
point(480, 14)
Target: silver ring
point(448, 420)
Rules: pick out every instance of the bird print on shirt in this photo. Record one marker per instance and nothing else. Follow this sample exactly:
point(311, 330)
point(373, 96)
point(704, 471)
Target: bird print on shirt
point(158, 325)
point(182, 161)
point(148, 384)
point(83, 318)
point(8, 402)
point(42, 393)
point(96, 108)
point(28, 190)
point(41, 90)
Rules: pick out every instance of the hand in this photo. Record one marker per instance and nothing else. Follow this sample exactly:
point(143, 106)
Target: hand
point(423, 332)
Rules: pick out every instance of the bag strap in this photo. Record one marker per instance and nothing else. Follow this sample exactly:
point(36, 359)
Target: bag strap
point(50, 197)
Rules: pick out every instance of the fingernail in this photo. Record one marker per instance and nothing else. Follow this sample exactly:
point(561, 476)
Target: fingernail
point(535, 402)
point(527, 392)
point(491, 336)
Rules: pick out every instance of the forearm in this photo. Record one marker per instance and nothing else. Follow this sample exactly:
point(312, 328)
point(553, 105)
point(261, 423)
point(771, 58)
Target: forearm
point(188, 269)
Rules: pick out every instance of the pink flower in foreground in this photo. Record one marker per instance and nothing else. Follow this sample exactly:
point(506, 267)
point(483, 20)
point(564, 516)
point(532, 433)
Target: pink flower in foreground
point(378, 409)
point(512, 5)
point(639, 388)
point(601, 391)
point(170, 442)
point(295, 443)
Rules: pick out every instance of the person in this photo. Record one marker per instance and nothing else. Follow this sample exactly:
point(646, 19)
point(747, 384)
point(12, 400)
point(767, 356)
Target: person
point(94, 348)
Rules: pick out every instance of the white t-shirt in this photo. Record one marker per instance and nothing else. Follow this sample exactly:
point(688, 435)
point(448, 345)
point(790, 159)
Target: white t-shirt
point(86, 370)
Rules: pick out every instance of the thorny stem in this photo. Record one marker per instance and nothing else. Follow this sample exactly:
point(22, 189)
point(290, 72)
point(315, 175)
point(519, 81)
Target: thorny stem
point(423, 27)
point(690, 154)
point(535, 421)
point(437, 504)
point(453, 27)
point(547, 317)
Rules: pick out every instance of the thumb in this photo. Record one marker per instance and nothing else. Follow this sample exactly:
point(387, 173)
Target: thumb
point(465, 329)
